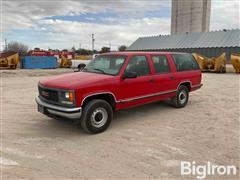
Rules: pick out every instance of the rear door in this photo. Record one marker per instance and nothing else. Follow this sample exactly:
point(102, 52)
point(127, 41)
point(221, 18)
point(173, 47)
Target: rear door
point(164, 77)
point(133, 89)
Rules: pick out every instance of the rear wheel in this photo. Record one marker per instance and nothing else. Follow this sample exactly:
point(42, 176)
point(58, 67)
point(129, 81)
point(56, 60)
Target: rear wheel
point(97, 116)
point(181, 99)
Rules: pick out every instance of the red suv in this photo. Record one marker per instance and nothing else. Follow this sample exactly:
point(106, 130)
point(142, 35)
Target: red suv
point(118, 80)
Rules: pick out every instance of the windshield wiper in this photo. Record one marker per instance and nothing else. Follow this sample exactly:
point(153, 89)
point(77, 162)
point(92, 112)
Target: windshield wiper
point(100, 70)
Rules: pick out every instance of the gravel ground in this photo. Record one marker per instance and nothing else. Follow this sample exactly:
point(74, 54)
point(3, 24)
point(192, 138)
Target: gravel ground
point(145, 142)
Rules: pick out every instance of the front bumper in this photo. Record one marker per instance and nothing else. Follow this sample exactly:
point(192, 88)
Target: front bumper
point(46, 108)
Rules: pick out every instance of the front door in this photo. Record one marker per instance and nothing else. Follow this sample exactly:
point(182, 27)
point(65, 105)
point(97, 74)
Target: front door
point(133, 90)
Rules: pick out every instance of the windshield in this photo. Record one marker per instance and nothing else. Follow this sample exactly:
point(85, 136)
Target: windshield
point(106, 65)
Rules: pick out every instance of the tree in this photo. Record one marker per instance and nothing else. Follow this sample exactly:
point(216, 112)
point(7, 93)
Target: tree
point(104, 49)
point(36, 49)
point(73, 49)
point(122, 48)
point(15, 46)
point(83, 52)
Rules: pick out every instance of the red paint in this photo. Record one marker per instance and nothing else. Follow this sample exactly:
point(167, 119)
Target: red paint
point(86, 84)
point(66, 54)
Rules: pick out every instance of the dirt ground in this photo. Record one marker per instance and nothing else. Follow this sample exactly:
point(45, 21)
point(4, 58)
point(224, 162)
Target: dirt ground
point(145, 142)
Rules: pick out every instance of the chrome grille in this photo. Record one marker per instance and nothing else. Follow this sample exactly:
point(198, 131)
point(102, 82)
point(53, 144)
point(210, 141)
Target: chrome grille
point(48, 94)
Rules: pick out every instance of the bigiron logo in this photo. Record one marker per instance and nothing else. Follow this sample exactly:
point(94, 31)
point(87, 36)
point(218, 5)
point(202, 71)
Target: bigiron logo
point(201, 171)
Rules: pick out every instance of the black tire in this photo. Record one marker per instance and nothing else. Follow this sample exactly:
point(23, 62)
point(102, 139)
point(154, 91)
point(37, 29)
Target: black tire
point(96, 111)
point(81, 67)
point(222, 70)
point(181, 99)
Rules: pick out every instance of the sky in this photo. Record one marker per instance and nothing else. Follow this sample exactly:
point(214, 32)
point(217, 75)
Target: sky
point(62, 24)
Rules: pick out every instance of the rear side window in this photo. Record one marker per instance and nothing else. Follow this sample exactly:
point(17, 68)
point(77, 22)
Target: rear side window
point(185, 62)
point(139, 65)
point(160, 63)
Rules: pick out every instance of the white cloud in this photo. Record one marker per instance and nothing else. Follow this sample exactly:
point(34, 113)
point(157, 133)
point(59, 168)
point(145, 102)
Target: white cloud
point(68, 33)
point(23, 14)
point(225, 14)
point(30, 15)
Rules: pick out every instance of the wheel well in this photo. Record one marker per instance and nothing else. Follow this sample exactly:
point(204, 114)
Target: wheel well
point(187, 84)
point(81, 65)
point(107, 97)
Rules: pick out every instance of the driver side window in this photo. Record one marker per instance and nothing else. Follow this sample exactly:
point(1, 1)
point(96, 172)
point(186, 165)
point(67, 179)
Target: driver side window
point(138, 64)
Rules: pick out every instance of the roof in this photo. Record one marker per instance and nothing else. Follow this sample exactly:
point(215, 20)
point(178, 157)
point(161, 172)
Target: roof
point(227, 38)
point(126, 53)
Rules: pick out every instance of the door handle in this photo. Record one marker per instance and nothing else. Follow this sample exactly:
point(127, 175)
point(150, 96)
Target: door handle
point(151, 80)
point(172, 77)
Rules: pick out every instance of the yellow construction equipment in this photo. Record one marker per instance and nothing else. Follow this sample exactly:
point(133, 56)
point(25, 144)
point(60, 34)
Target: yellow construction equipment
point(214, 64)
point(9, 60)
point(235, 60)
point(65, 62)
point(218, 64)
point(82, 57)
point(201, 60)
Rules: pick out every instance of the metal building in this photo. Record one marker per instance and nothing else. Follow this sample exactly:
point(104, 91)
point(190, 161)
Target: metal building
point(209, 44)
point(190, 16)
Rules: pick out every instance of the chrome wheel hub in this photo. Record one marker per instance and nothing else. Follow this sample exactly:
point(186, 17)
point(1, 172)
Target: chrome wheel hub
point(99, 117)
point(182, 97)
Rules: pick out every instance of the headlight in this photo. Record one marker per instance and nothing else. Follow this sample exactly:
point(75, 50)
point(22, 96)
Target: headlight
point(67, 97)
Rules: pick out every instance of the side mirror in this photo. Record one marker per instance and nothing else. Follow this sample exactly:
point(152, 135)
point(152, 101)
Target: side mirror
point(129, 75)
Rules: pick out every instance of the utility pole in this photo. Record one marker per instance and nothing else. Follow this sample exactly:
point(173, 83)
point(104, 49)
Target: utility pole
point(93, 40)
point(6, 48)
point(110, 46)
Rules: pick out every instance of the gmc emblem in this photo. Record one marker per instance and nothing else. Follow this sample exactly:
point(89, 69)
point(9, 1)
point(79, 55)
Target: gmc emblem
point(45, 94)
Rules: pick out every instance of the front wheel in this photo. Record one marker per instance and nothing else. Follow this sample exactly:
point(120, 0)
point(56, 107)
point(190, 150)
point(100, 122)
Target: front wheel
point(181, 99)
point(97, 116)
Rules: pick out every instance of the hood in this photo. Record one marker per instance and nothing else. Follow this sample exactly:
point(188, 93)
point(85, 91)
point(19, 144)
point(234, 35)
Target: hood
point(75, 80)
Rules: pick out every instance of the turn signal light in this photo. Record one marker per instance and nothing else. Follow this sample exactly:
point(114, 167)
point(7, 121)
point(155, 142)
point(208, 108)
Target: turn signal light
point(71, 96)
